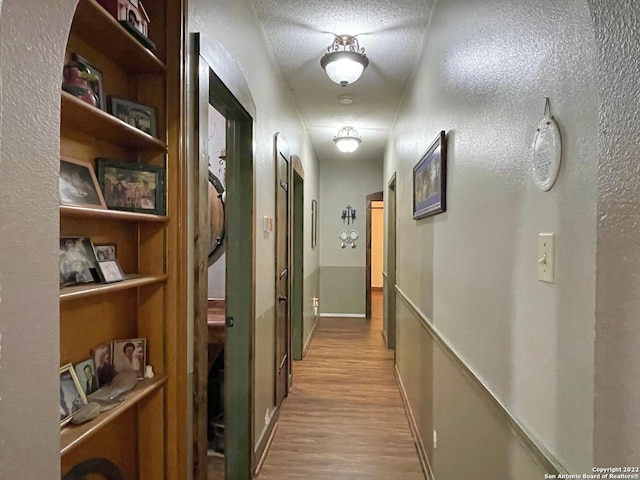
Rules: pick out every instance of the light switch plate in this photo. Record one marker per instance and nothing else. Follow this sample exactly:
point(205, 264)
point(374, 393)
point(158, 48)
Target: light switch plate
point(546, 257)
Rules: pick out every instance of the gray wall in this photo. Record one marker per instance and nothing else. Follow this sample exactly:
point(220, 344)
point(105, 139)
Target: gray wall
point(485, 70)
point(275, 112)
point(617, 363)
point(33, 38)
point(343, 182)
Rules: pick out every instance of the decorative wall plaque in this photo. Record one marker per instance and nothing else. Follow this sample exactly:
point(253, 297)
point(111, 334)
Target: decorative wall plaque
point(546, 151)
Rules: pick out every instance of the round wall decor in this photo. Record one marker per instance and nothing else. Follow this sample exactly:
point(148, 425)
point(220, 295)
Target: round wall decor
point(546, 152)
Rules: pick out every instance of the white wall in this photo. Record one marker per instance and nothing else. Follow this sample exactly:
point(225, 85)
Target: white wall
point(33, 37)
point(484, 73)
point(235, 25)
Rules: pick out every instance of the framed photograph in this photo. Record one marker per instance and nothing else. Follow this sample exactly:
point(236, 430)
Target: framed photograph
point(143, 117)
point(77, 261)
point(86, 375)
point(430, 180)
point(110, 271)
point(72, 397)
point(78, 184)
point(95, 83)
point(105, 251)
point(103, 360)
point(130, 354)
point(134, 187)
point(314, 223)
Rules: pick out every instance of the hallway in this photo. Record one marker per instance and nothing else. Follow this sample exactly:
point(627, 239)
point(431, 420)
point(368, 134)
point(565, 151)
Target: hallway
point(344, 418)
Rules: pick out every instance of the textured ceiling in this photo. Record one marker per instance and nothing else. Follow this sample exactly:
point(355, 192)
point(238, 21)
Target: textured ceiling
point(391, 32)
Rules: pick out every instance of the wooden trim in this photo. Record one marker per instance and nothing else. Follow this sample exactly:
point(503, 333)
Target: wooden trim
point(311, 335)
point(75, 211)
point(535, 447)
point(377, 289)
point(297, 165)
point(372, 197)
point(265, 444)
point(88, 290)
point(422, 453)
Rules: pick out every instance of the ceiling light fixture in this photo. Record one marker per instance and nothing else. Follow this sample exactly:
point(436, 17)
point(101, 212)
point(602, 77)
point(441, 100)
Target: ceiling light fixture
point(347, 139)
point(345, 100)
point(345, 60)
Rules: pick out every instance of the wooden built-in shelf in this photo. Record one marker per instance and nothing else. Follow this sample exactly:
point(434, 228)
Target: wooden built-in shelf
point(99, 29)
point(101, 213)
point(73, 435)
point(75, 292)
point(79, 115)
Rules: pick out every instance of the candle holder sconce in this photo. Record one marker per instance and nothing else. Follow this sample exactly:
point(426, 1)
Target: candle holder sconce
point(349, 214)
point(349, 237)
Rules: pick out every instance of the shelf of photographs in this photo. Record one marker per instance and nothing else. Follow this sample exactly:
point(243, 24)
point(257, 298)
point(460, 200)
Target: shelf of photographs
point(71, 436)
point(74, 211)
point(79, 115)
point(75, 292)
point(99, 29)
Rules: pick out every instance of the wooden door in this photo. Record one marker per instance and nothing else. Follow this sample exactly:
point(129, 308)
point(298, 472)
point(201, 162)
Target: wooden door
point(282, 306)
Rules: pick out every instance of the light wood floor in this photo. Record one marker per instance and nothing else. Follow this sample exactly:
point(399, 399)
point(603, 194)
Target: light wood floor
point(344, 418)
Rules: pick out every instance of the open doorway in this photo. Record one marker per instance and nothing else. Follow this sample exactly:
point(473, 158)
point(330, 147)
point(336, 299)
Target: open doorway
point(221, 95)
point(374, 250)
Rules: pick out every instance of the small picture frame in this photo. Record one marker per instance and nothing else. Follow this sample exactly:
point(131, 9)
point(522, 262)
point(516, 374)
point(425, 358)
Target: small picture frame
point(142, 117)
point(130, 354)
point(134, 187)
point(78, 184)
point(105, 251)
point(86, 375)
point(103, 360)
point(72, 397)
point(110, 271)
point(96, 85)
point(430, 180)
point(77, 261)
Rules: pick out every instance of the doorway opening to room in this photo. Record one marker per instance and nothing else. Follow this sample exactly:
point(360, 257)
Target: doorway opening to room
point(374, 250)
point(224, 262)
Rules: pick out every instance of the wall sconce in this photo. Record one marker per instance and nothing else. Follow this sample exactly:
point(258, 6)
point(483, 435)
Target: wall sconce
point(349, 214)
point(345, 60)
point(347, 139)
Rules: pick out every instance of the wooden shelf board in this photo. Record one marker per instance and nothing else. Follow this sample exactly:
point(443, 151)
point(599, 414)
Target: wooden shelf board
point(99, 213)
point(75, 292)
point(98, 28)
point(71, 436)
point(81, 116)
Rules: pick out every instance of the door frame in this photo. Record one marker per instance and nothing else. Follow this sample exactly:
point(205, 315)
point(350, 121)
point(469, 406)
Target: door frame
point(218, 81)
point(372, 197)
point(389, 278)
point(297, 257)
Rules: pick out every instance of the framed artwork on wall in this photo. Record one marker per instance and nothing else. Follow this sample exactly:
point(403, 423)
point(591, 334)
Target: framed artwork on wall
point(314, 223)
point(430, 179)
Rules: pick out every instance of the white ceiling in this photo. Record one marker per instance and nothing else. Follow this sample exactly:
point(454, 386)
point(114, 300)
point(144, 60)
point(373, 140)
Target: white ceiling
point(391, 32)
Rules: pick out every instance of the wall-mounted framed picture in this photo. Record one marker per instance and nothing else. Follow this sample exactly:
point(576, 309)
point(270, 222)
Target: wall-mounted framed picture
point(134, 187)
point(78, 185)
point(314, 223)
point(430, 180)
point(72, 396)
point(143, 117)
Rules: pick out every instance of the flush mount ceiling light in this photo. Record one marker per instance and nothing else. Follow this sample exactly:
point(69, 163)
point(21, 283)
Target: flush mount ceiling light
point(347, 139)
point(345, 60)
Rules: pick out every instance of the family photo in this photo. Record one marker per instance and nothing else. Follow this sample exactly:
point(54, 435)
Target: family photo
point(76, 260)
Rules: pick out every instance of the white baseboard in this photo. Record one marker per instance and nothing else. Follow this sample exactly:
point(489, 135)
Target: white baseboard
point(348, 315)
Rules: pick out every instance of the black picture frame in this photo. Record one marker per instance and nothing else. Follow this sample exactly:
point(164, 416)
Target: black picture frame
point(143, 117)
point(132, 187)
point(97, 85)
point(430, 180)
point(78, 185)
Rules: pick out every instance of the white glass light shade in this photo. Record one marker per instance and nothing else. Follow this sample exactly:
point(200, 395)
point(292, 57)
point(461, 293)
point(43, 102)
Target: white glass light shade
point(344, 67)
point(347, 140)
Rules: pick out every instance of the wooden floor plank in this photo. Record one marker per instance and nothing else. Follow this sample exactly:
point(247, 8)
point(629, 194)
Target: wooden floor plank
point(344, 417)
